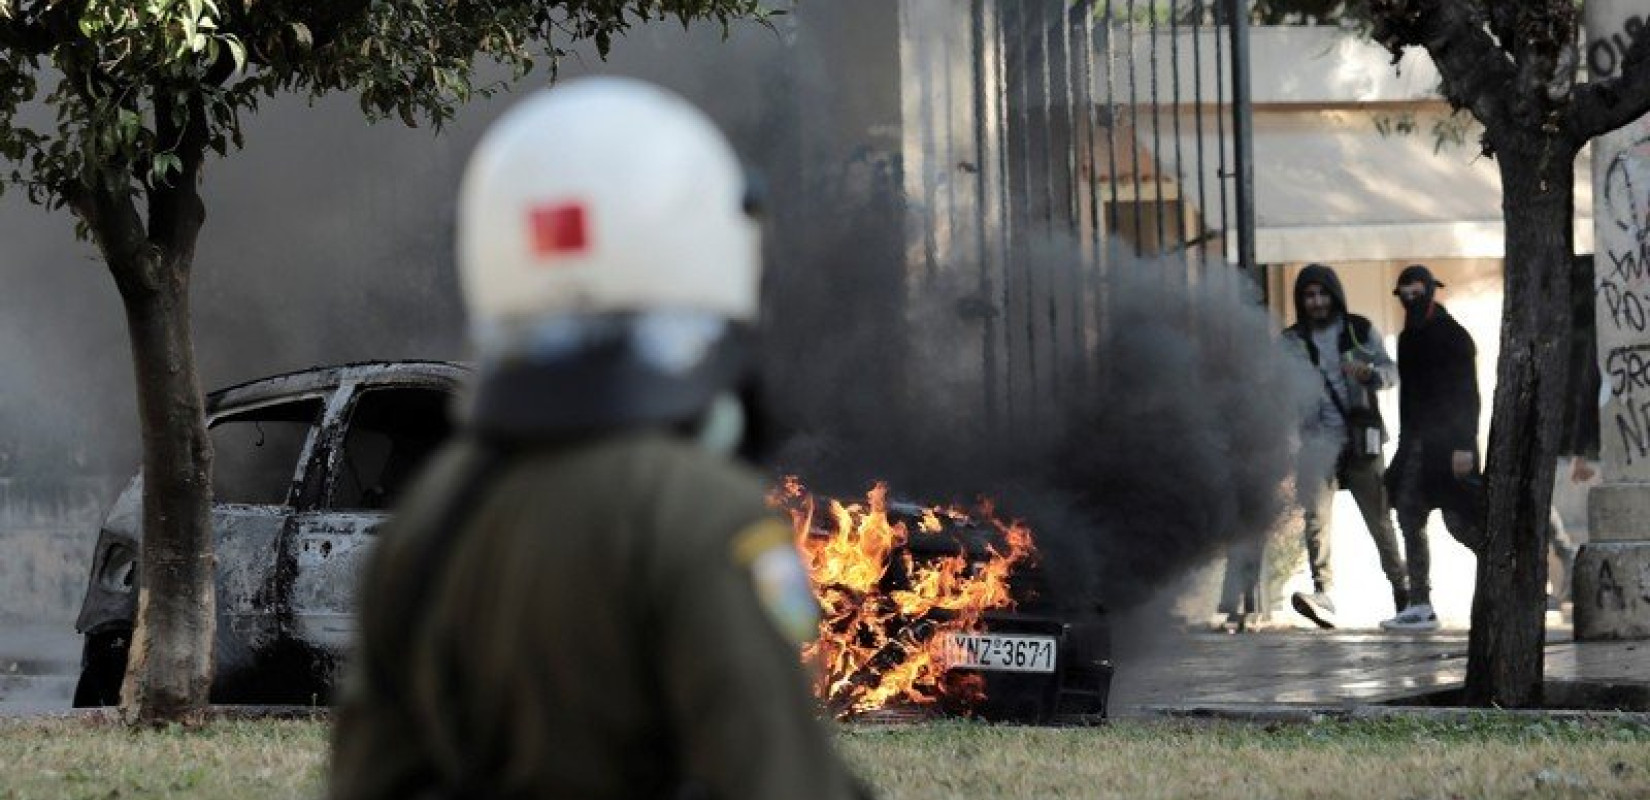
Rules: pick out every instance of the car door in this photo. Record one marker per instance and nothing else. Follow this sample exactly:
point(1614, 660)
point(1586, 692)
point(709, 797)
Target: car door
point(387, 433)
point(262, 454)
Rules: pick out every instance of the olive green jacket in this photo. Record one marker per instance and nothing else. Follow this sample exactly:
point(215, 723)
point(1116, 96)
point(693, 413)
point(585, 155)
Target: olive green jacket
point(594, 630)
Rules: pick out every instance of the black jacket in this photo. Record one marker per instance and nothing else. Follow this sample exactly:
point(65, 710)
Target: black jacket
point(1438, 383)
point(1437, 401)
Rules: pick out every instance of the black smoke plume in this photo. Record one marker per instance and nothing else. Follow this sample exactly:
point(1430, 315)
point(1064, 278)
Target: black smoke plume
point(1185, 441)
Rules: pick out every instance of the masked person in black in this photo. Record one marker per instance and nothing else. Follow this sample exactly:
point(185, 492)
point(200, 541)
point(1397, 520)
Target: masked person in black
point(585, 596)
point(1347, 352)
point(1437, 461)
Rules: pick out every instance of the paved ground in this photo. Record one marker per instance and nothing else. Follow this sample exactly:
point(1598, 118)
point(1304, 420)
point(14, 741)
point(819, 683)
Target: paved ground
point(1174, 672)
point(1279, 671)
point(38, 665)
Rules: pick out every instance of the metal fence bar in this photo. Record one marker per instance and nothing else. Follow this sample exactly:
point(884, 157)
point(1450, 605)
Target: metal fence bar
point(1220, 138)
point(1046, 311)
point(985, 35)
point(1111, 120)
point(1091, 109)
point(1099, 272)
point(1197, 111)
point(1000, 106)
point(1158, 246)
point(1078, 87)
point(1179, 163)
point(1028, 312)
point(1134, 130)
point(1243, 137)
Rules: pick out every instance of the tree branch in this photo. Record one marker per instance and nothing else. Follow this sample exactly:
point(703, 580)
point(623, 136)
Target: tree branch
point(1502, 19)
point(1547, 56)
point(266, 25)
point(1475, 70)
point(20, 34)
point(1603, 106)
point(117, 229)
point(176, 211)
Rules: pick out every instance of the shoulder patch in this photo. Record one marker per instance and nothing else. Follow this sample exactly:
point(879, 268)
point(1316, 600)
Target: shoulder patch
point(765, 549)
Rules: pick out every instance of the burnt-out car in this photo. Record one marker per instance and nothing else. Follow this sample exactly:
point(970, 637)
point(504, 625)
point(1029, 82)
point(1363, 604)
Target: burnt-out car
point(306, 467)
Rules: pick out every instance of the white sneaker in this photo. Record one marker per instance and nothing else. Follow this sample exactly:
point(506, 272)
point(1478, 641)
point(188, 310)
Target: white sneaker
point(1414, 618)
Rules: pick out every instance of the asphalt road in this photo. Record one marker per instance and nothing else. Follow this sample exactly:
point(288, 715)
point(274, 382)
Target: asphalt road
point(38, 667)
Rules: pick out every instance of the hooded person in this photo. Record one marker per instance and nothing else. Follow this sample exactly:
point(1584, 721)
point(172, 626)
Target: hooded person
point(1437, 463)
point(1347, 352)
point(585, 596)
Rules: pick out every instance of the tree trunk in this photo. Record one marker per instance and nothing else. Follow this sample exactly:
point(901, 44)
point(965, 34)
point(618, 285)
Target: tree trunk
point(170, 664)
point(1506, 649)
point(169, 669)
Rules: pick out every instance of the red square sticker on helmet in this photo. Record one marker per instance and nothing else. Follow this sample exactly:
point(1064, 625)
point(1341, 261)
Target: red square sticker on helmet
point(559, 229)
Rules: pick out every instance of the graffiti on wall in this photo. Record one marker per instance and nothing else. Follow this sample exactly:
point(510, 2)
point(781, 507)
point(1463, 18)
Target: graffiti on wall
point(1613, 594)
point(1623, 288)
point(1606, 53)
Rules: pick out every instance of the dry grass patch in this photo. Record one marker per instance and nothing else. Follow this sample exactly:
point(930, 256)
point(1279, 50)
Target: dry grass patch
point(1491, 757)
point(48, 759)
point(1400, 759)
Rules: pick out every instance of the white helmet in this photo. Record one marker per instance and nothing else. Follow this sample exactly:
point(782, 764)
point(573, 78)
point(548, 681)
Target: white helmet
point(605, 195)
point(609, 261)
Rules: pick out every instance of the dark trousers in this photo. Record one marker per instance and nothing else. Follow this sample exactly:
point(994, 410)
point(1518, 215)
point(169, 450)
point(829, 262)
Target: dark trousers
point(1414, 504)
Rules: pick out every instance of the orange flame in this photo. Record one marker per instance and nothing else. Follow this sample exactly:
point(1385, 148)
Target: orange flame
point(882, 645)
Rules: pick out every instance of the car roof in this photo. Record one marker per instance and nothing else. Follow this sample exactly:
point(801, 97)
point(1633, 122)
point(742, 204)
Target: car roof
point(429, 374)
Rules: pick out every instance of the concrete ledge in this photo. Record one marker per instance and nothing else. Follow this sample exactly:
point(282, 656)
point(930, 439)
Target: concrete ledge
point(1618, 512)
point(1612, 591)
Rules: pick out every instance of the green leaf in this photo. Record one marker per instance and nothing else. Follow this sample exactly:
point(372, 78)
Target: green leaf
point(130, 123)
point(163, 164)
point(236, 51)
point(301, 33)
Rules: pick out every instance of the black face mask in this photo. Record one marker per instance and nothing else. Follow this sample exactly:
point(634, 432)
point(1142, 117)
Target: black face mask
point(1418, 308)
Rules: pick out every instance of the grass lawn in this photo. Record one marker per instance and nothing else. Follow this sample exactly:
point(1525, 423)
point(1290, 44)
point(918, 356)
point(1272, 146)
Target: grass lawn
point(1405, 759)
point(1493, 756)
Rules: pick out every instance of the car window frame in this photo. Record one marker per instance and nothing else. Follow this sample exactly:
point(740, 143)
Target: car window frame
point(306, 453)
point(349, 394)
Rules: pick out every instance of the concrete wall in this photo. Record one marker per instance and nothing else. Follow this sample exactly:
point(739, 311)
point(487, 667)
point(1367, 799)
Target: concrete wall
point(46, 538)
point(1613, 577)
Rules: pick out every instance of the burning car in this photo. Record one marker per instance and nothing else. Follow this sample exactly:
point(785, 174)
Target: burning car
point(307, 466)
point(941, 610)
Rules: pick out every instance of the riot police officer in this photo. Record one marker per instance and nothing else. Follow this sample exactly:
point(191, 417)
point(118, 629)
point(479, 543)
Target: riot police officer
point(584, 596)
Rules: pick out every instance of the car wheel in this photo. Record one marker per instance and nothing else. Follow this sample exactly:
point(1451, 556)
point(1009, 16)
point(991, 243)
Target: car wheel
point(102, 669)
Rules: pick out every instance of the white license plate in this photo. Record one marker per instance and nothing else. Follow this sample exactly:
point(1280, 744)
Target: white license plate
point(999, 651)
